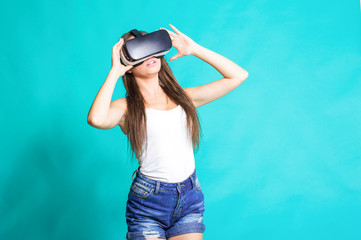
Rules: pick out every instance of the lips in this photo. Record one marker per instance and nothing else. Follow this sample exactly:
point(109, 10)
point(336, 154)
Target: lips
point(150, 60)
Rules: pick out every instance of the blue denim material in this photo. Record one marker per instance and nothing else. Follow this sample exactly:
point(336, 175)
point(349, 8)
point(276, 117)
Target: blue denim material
point(158, 209)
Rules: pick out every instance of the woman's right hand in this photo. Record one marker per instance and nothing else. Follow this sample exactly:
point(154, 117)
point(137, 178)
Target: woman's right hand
point(116, 64)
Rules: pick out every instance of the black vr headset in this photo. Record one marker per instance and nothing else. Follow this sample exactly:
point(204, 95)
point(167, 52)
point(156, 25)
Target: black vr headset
point(155, 44)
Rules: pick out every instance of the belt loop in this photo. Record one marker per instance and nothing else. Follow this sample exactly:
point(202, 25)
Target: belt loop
point(136, 170)
point(156, 188)
point(192, 180)
point(179, 188)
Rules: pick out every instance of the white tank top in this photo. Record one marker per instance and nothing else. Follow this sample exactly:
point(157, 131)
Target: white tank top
point(168, 157)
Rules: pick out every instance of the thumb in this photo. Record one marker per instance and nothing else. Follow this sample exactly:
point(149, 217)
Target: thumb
point(128, 67)
point(175, 57)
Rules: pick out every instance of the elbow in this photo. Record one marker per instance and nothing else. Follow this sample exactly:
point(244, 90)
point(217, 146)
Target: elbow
point(92, 122)
point(242, 77)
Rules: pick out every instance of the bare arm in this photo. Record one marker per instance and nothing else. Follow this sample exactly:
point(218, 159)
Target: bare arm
point(103, 113)
point(233, 76)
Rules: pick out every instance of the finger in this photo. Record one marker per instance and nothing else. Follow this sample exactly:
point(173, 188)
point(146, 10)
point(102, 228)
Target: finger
point(120, 42)
point(170, 32)
point(128, 67)
point(175, 29)
point(175, 57)
point(172, 37)
point(118, 46)
point(117, 49)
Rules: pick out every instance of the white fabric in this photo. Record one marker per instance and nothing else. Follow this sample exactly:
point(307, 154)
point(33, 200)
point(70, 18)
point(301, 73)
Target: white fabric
point(169, 156)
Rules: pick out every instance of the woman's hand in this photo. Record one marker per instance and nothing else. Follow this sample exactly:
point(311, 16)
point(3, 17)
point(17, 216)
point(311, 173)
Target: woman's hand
point(184, 44)
point(116, 64)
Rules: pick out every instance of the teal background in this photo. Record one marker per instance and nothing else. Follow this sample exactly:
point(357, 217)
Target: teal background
point(279, 157)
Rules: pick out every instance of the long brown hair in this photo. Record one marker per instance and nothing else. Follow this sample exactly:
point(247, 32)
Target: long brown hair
point(135, 117)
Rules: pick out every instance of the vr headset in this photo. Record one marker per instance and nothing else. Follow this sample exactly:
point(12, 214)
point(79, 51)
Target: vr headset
point(155, 44)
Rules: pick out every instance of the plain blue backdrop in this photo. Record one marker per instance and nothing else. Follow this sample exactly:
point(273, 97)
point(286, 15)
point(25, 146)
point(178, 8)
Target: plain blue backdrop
point(279, 157)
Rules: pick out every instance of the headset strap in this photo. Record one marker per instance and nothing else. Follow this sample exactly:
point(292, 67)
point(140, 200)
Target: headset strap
point(136, 33)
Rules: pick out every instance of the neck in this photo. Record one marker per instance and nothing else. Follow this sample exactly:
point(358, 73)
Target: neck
point(150, 88)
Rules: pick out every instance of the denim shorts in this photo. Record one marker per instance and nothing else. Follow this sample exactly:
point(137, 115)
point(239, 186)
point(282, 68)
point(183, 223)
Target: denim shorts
point(157, 209)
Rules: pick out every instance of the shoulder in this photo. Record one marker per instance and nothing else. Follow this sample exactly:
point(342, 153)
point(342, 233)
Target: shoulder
point(121, 104)
point(190, 92)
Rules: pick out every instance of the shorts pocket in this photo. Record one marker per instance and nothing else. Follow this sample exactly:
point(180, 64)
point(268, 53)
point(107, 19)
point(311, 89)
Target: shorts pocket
point(140, 190)
point(198, 184)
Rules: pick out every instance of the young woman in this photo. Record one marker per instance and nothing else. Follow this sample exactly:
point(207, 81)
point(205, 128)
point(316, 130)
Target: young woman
point(159, 117)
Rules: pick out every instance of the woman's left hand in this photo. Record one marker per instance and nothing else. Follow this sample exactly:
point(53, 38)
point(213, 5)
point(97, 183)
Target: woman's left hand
point(184, 44)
